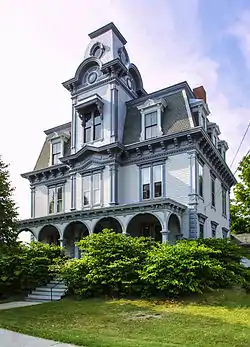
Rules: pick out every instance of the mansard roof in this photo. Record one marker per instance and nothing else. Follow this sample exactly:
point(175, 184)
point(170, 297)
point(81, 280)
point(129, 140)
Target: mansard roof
point(175, 117)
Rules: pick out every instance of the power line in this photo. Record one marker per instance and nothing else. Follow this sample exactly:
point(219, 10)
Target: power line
point(244, 156)
point(240, 144)
point(220, 190)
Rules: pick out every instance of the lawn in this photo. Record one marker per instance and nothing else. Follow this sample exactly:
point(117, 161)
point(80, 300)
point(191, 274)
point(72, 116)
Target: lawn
point(219, 319)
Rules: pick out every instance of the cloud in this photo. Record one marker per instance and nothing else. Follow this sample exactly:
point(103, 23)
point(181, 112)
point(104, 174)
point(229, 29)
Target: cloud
point(44, 42)
point(241, 30)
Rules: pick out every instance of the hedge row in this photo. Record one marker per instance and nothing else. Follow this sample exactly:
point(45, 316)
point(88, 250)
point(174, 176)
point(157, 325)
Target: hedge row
point(23, 267)
point(118, 265)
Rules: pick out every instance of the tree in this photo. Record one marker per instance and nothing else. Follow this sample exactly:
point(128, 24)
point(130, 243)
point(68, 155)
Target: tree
point(8, 209)
point(240, 205)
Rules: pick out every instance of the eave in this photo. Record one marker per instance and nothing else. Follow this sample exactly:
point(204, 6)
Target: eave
point(110, 149)
point(104, 211)
point(55, 170)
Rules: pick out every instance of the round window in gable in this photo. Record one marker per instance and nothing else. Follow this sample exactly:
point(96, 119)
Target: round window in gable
point(97, 50)
point(92, 77)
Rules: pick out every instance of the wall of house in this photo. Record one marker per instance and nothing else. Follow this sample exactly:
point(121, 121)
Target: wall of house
point(41, 201)
point(128, 184)
point(178, 178)
point(123, 97)
point(213, 214)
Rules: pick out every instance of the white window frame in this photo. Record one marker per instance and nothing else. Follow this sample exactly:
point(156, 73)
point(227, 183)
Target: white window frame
point(213, 180)
point(151, 106)
point(55, 190)
point(92, 126)
point(55, 154)
point(224, 201)
point(151, 181)
point(200, 165)
point(62, 138)
point(91, 190)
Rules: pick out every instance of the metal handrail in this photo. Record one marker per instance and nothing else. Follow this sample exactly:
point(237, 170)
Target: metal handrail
point(61, 280)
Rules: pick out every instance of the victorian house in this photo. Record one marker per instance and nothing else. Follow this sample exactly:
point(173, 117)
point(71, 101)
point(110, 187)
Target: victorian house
point(138, 163)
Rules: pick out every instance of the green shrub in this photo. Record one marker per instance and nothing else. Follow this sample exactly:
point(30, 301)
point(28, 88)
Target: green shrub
point(109, 265)
point(188, 267)
point(116, 265)
point(23, 267)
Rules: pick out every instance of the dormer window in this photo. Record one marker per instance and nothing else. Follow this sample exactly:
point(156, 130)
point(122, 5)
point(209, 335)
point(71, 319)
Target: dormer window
point(57, 147)
point(150, 125)
point(92, 126)
point(56, 153)
point(151, 118)
point(90, 111)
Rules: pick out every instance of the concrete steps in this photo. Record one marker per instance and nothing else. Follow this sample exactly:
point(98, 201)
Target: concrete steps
point(53, 291)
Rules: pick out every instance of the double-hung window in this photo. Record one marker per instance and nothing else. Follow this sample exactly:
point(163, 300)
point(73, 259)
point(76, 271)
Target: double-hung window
point(224, 201)
point(91, 189)
point(92, 126)
point(200, 179)
point(201, 230)
point(56, 153)
point(55, 199)
point(86, 184)
point(213, 191)
point(150, 125)
point(152, 182)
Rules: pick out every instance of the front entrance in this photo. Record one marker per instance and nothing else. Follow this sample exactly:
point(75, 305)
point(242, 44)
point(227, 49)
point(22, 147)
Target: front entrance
point(49, 234)
point(145, 225)
point(73, 233)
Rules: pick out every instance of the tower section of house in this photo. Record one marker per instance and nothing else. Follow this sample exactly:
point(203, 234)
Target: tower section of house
point(138, 163)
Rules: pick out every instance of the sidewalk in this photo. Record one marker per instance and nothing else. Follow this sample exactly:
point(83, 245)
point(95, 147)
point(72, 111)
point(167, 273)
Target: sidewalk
point(10, 339)
point(14, 304)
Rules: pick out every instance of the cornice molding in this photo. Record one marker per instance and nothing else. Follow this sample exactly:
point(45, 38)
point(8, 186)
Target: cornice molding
point(170, 204)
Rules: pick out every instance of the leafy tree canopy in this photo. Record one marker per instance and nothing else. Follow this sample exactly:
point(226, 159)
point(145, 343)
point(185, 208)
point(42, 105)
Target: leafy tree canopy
point(8, 209)
point(240, 205)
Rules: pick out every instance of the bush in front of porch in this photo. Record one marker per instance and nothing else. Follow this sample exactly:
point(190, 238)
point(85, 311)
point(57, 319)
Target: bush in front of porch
point(117, 265)
point(23, 267)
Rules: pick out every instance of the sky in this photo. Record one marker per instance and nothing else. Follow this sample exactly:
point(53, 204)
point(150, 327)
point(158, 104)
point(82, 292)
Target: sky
point(205, 42)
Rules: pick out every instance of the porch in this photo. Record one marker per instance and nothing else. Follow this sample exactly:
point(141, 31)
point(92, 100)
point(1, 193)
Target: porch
point(164, 221)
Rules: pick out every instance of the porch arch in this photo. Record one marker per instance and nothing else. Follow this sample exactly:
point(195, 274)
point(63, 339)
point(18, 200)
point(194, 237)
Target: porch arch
point(26, 234)
point(49, 234)
point(174, 228)
point(108, 223)
point(145, 224)
point(74, 232)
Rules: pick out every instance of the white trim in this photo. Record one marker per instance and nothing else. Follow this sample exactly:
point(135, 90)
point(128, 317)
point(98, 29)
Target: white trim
point(184, 94)
point(148, 107)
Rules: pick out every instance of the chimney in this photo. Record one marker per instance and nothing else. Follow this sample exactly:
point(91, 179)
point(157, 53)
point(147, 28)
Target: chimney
point(200, 93)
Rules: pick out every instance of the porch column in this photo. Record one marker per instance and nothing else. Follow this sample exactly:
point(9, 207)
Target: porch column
point(33, 192)
point(61, 243)
point(73, 191)
point(164, 236)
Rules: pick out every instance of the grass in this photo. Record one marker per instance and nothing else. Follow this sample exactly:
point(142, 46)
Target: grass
point(218, 319)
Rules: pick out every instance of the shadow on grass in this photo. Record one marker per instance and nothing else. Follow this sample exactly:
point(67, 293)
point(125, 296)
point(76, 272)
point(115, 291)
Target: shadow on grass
point(116, 323)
